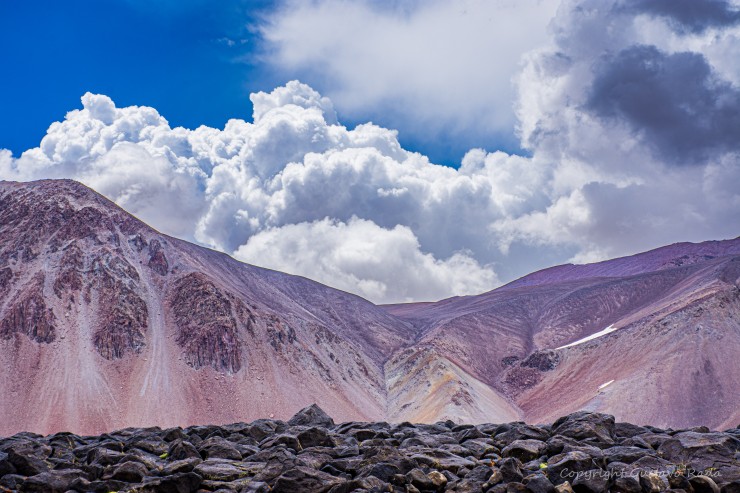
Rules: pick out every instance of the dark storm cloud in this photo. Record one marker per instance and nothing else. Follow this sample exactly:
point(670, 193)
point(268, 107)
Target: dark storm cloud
point(693, 16)
point(674, 102)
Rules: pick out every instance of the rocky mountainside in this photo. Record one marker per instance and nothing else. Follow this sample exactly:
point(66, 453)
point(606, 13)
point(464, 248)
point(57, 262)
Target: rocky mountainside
point(652, 338)
point(106, 323)
point(581, 452)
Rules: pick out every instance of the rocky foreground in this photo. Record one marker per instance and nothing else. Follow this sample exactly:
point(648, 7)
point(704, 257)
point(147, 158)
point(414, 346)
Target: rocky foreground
point(582, 452)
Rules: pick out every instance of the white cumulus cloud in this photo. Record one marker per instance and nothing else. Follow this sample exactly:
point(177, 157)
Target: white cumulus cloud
point(386, 265)
point(267, 181)
point(436, 67)
point(632, 139)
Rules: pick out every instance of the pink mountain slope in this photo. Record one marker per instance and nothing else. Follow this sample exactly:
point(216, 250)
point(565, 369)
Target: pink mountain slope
point(106, 323)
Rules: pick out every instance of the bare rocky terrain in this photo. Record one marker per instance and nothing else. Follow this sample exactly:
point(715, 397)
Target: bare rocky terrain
point(652, 339)
point(582, 452)
point(106, 323)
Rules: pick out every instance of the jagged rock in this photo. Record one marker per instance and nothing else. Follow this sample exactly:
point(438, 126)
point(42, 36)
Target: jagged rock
point(27, 462)
point(495, 478)
point(186, 482)
point(153, 445)
point(304, 480)
point(181, 449)
point(207, 324)
point(384, 471)
point(586, 426)
point(566, 466)
point(679, 482)
point(183, 465)
point(626, 455)
point(315, 437)
point(103, 456)
point(700, 450)
point(58, 481)
point(129, 472)
point(312, 415)
point(124, 316)
point(157, 258)
point(99, 486)
point(654, 439)
point(256, 487)
point(508, 433)
point(30, 316)
point(539, 484)
point(511, 470)
point(420, 480)
point(559, 444)
point(286, 440)
point(224, 469)
point(6, 278)
point(524, 450)
point(628, 430)
point(635, 442)
point(218, 448)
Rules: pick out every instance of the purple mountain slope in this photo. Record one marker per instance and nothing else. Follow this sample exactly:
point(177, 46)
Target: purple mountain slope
point(107, 323)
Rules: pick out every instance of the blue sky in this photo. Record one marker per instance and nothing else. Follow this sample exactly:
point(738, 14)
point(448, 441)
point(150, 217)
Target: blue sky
point(196, 61)
point(430, 149)
point(171, 55)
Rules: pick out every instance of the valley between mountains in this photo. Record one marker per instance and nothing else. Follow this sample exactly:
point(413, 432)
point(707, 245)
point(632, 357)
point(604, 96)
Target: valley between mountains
point(106, 323)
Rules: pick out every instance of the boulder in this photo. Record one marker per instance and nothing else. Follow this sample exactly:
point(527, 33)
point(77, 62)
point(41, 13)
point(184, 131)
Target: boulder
point(565, 467)
point(524, 450)
point(591, 481)
point(129, 472)
point(539, 484)
point(304, 480)
point(315, 437)
point(582, 425)
point(53, 481)
point(218, 448)
point(703, 484)
point(180, 449)
point(700, 450)
point(312, 415)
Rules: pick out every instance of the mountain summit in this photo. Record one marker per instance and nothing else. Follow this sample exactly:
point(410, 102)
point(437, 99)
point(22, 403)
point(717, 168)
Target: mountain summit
point(107, 323)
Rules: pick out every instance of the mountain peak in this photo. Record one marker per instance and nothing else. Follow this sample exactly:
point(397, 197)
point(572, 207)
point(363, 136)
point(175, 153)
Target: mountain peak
point(106, 323)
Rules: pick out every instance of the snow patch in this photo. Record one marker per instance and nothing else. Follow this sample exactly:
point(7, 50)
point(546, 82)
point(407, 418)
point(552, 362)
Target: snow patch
point(600, 333)
point(605, 384)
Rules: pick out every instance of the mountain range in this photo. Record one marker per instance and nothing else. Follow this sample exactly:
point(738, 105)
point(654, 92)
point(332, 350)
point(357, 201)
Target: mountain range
point(107, 323)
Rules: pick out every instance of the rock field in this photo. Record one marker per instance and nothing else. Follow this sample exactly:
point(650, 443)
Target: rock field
point(581, 452)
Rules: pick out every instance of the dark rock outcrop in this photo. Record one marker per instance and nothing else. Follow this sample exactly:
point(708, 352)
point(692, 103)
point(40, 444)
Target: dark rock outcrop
point(206, 323)
point(157, 258)
point(123, 313)
point(29, 315)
